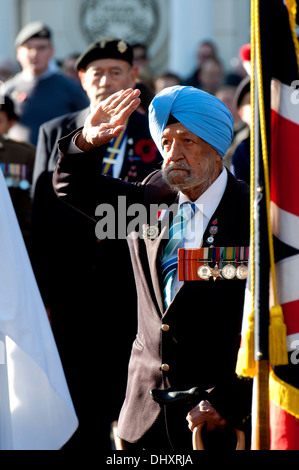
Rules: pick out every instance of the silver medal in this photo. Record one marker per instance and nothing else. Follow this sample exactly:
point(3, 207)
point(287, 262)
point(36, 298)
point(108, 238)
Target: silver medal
point(228, 271)
point(204, 272)
point(242, 271)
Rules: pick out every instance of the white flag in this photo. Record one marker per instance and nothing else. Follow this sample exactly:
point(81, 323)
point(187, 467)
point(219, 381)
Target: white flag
point(36, 410)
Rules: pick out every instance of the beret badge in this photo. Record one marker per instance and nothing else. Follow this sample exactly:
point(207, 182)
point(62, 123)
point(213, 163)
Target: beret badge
point(122, 47)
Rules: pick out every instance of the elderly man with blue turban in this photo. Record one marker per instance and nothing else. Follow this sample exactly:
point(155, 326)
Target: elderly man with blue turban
point(190, 265)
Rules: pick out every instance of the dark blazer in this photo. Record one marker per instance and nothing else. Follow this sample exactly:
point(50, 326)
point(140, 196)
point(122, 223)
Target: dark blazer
point(49, 133)
point(204, 318)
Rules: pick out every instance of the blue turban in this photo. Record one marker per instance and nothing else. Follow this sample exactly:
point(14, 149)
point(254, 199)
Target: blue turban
point(201, 113)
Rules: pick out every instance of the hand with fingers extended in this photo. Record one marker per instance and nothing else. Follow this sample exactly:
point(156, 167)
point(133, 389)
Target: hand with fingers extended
point(107, 120)
point(205, 413)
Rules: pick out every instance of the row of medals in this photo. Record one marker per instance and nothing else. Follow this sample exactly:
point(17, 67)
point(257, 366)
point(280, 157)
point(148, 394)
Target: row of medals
point(16, 183)
point(229, 271)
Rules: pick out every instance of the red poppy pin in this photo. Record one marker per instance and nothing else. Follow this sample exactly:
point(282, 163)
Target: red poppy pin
point(146, 149)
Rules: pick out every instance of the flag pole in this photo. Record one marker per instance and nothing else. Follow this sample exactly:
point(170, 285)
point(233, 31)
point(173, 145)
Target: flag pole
point(261, 241)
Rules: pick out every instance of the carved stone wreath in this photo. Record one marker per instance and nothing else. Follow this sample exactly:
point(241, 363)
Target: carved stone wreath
point(136, 21)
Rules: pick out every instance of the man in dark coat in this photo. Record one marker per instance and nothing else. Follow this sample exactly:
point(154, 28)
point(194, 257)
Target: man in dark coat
point(92, 267)
point(188, 330)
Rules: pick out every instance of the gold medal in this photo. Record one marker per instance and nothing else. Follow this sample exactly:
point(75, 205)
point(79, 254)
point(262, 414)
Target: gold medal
point(204, 272)
point(242, 271)
point(228, 271)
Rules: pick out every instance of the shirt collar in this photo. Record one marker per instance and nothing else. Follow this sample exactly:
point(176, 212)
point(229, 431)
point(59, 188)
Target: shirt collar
point(210, 199)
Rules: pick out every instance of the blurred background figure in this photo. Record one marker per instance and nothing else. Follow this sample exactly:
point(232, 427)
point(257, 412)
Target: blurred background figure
point(146, 97)
point(16, 163)
point(68, 67)
point(206, 50)
point(165, 80)
point(7, 69)
point(211, 75)
point(245, 57)
point(39, 92)
point(142, 61)
point(240, 165)
point(238, 155)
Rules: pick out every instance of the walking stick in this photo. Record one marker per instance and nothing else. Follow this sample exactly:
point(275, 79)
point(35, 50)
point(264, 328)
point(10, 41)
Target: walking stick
point(192, 397)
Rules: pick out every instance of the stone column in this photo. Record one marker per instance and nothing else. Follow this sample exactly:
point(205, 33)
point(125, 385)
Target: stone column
point(8, 28)
point(191, 21)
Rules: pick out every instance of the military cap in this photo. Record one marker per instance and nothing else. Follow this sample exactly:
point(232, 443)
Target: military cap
point(106, 48)
point(8, 108)
point(37, 29)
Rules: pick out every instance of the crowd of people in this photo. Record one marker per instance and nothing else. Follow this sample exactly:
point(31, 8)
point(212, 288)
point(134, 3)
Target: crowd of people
point(75, 271)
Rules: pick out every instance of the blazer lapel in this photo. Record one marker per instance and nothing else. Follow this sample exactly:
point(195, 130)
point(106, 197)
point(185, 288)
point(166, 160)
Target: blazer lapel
point(152, 248)
point(155, 248)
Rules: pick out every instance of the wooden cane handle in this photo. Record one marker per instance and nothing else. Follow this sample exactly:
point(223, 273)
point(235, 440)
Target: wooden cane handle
point(198, 444)
point(196, 438)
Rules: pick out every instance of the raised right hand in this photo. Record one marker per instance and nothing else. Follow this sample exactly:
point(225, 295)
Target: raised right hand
point(107, 120)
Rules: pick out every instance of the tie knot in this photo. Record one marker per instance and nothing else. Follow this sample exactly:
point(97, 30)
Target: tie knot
point(187, 210)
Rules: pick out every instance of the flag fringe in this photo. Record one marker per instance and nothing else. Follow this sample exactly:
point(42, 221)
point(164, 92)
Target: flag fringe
point(278, 353)
point(246, 366)
point(284, 395)
point(292, 10)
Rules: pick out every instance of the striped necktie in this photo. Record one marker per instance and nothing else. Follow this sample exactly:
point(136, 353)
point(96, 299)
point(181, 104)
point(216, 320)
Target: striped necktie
point(170, 257)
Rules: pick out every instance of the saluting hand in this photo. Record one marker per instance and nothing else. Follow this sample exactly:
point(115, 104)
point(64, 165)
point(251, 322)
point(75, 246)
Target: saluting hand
point(107, 120)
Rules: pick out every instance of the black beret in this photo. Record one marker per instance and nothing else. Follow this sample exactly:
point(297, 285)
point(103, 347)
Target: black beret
point(37, 29)
point(106, 48)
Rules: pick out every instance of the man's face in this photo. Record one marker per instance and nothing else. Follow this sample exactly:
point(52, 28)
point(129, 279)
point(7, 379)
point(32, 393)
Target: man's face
point(190, 164)
point(104, 77)
point(34, 55)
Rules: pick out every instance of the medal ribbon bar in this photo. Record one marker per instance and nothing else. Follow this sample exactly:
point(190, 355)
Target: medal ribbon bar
point(190, 260)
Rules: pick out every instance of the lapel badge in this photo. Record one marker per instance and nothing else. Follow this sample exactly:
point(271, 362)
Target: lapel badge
point(151, 232)
point(213, 230)
point(162, 214)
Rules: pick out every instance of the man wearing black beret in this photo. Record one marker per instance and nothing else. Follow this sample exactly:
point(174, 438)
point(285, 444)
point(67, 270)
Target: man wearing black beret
point(92, 267)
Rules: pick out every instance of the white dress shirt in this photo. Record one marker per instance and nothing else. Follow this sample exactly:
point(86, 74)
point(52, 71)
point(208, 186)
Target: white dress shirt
point(206, 205)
